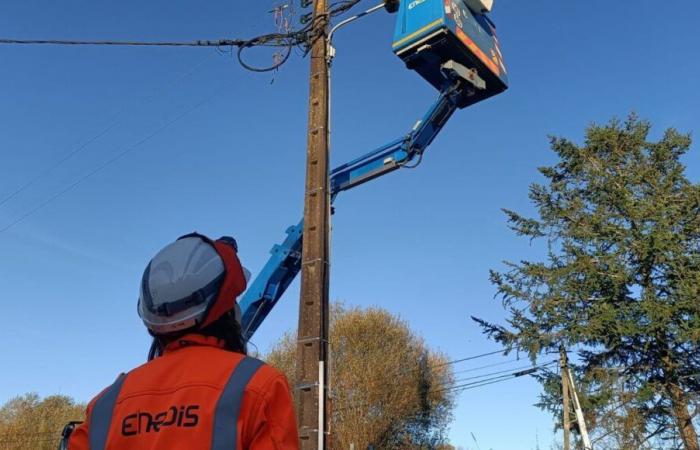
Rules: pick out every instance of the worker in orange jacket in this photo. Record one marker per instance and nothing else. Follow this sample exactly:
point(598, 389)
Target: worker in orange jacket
point(198, 390)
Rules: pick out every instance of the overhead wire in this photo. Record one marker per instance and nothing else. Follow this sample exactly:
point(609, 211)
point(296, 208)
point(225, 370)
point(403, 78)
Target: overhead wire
point(508, 372)
point(468, 358)
point(488, 380)
point(116, 120)
point(513, 374)
point(451, 383)
point(454, 361)
point(197, 43)
point(516, 369)
point(110, 161)
point(304, 37)
point(483, 383)
point(486, 366)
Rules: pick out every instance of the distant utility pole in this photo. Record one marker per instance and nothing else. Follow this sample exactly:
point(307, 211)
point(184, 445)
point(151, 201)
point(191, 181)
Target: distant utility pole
point(565, 396)
point(569, 392)
point(312, 346)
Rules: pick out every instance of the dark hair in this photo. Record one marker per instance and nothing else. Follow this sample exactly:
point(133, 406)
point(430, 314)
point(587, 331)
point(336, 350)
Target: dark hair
point(225, 328)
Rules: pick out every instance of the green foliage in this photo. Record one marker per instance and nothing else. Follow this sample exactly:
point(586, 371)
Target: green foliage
point(621, 281)
point(29, 423)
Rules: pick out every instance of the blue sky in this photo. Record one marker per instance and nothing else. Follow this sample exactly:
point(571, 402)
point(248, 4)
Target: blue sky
point(418, 243)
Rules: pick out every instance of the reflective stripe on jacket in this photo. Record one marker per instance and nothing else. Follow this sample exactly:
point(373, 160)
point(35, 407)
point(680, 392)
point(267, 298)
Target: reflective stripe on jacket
point(196, 396)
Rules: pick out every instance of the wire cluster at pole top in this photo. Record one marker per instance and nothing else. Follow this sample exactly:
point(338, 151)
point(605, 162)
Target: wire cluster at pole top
point(302, 38)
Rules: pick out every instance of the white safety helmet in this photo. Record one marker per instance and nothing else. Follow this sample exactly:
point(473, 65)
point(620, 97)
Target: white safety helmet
point(190, 284)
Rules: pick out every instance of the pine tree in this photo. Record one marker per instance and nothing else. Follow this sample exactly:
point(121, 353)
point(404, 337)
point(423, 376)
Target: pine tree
point(621, 277)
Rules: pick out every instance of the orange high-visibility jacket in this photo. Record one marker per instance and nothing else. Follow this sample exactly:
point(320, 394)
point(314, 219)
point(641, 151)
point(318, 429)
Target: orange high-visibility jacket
point(197, 396)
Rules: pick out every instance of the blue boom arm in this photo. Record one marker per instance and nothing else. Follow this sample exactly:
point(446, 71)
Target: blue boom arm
point(285, 260)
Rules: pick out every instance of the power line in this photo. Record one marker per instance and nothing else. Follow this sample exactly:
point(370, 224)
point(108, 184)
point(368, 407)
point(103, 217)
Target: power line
point(457, 361)
point(515, 374)
point(109, 162)
point(302, 37)
point(490, 379)
point(382, 383)
point(460, 389)
point(515, 370)
point(468, 358)
point(110, 126)
point(486, 366)
point(483, 383)
point(198, 43)
point(452, 382)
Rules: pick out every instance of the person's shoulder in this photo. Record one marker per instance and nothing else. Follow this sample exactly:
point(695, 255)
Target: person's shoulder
point(265, 370)
point(265, 376)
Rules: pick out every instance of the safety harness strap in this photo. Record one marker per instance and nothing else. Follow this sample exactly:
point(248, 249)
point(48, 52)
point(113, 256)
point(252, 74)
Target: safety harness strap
point(228, 407)
point(101, 416)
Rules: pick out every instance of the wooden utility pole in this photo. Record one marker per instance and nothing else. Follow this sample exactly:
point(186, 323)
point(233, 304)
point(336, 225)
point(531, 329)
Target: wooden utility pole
point(565, 396)
point(312, 346)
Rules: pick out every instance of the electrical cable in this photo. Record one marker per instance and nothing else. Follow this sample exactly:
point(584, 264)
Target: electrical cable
point(454, 361)
point(466, 386)
point(110, 161)
point(468, 358)
point(304, 36)
point(449, 385)
point(516, 369)
point(474, 369)
point(407, 164)
point(110, 126)
point(198, 43)
point(514, 374)
point(486, 375)
point(484, 383)
point(289, 40)
point(245, 65)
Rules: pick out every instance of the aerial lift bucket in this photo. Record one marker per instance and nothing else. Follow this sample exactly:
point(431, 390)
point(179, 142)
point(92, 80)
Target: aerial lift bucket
point(431, 35)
